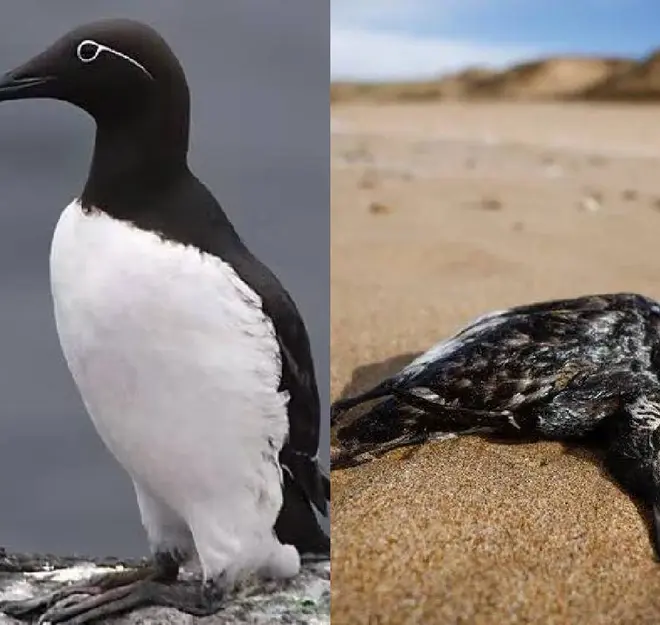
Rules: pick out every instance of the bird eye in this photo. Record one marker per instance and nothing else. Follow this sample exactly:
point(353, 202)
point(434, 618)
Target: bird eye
point(88, 51)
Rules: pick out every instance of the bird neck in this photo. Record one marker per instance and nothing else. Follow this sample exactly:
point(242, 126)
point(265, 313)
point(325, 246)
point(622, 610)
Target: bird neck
point(136, 157)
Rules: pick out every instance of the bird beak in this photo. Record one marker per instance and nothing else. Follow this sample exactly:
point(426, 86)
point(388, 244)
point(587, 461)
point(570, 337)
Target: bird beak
point(14, 86)
point(31, 80)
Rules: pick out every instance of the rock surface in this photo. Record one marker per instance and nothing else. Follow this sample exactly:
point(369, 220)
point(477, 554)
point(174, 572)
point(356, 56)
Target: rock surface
point(304, 600)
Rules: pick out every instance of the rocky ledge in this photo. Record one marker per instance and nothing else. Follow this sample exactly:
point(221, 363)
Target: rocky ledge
point(302, 601)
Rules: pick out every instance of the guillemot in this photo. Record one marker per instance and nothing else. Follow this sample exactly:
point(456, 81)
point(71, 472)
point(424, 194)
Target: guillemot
point(582, 370)
point(190, 356)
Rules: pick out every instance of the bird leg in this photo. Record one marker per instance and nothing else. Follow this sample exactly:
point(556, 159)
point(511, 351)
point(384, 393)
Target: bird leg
point(118, 592)
point(185, 596)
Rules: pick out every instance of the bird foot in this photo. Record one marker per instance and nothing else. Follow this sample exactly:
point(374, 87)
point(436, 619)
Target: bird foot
point(27, 609)
point(113, 594)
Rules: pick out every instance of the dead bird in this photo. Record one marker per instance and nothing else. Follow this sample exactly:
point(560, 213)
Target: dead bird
point(573, 370)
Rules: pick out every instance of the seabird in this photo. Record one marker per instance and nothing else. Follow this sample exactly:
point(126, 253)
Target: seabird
point(582, 370)
point(191, 358)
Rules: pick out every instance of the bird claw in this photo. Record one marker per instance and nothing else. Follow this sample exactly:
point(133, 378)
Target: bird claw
point(26, 608)
point(80, 608)
point(53, 606)
point(77, 605)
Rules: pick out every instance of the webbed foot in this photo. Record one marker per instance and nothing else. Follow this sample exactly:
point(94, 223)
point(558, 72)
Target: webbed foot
point(111, 594)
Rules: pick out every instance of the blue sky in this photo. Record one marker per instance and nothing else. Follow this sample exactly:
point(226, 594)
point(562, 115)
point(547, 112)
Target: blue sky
point(409, 39)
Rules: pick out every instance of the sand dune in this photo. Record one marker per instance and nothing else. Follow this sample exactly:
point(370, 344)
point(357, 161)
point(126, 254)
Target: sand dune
point(639, 82)
point(555, 78)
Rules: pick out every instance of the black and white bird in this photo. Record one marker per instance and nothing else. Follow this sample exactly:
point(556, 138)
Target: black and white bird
point(191, 358)
point(584, 369)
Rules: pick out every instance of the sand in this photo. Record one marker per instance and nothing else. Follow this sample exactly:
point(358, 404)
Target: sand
point(441, 212)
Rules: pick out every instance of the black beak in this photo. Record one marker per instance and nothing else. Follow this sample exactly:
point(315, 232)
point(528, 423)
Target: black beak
point(13, 86)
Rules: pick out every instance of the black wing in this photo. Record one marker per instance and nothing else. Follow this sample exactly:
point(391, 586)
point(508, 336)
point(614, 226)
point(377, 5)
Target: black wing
point(506, 359)
point(299, 456)
point(305, 483)
point(300, 453)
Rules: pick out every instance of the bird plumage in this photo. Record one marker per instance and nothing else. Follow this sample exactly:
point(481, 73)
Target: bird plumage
point(583, 369)
point(190, 356)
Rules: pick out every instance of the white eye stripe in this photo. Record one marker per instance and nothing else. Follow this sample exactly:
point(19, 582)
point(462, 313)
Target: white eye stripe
point(98, 48)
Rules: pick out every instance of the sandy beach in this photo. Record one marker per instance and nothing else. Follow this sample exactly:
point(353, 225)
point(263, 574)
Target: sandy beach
point(442, 212)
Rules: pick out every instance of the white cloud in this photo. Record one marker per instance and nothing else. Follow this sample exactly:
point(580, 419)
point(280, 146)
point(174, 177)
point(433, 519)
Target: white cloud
point(365, 54)
point(376, 40)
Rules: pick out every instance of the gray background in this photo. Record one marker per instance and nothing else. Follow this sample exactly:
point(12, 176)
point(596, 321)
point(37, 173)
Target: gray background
point(259, 77)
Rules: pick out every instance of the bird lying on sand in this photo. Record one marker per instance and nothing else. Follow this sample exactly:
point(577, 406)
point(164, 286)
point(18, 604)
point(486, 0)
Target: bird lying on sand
point(191, 358)
point(575, 370)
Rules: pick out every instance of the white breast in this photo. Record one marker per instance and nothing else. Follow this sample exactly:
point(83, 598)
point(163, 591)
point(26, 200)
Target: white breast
point(177, 365)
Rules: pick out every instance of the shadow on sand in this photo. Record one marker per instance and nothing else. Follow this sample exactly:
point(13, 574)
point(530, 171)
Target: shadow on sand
point(365, 377)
